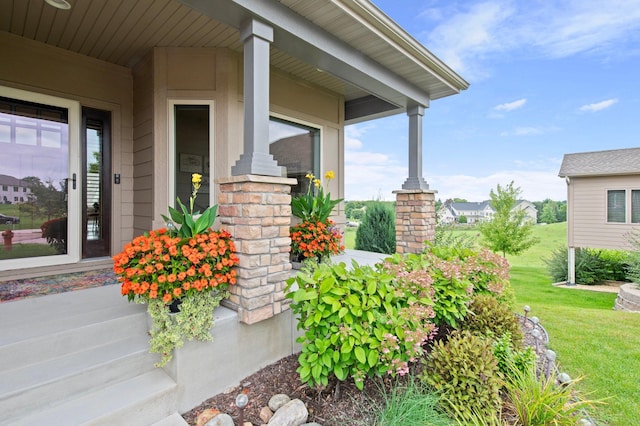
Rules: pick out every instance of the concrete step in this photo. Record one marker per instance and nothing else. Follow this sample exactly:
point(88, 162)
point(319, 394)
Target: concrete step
point(139, 401)
point(67, 376)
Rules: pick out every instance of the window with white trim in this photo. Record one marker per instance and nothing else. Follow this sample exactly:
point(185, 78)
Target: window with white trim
point(616, 206)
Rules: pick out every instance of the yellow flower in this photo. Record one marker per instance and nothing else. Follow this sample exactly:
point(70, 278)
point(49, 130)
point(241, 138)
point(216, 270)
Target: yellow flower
point(310, 176)
point(196, 180)
point(329, 175)
point(317, 183)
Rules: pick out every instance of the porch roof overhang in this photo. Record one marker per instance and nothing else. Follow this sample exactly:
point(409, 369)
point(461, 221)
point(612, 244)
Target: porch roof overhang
point(348, 47)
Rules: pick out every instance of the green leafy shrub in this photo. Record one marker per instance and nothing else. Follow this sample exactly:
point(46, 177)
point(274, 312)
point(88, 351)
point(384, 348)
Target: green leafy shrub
point(510, 358)
point(377, 231)
point(592, 266)
point(452, 290)
point(444, 236)
point(359, 322)
point(464, 371)
point(488, 317)
point(540, 401)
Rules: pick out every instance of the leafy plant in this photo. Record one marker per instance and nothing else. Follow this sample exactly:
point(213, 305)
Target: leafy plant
point(510, 358)
point(446, 236)
point(488, 317)
point(186, 223)
point(315, 205)
point(464, 372)
point(377, 231)
point(592, 266)
point(193, 321)
point(540, 401)
point(358, 322)
point(411, 404)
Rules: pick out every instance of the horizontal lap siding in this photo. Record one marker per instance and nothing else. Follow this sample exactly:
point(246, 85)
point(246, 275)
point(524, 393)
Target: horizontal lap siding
point(588, 206)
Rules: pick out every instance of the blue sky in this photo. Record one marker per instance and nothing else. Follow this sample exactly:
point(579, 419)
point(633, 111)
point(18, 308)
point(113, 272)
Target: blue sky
point(547, 78)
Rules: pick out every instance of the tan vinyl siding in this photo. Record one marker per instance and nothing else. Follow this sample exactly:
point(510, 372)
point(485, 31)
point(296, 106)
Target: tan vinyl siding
point(142, 158)
point(588, 211)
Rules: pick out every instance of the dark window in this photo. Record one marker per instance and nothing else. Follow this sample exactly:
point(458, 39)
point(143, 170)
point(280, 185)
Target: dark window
point(297, 148)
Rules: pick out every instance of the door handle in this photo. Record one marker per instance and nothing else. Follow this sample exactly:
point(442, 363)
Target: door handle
point(73, 180)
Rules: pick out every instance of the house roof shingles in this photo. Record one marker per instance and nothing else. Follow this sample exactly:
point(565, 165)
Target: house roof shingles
point(601, 163)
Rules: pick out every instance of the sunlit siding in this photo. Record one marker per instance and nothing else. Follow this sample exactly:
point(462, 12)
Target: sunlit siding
point(588, 211)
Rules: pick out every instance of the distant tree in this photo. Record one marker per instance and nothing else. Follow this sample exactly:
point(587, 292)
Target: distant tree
point(462, 219)
point(460, 200)
point(549, 212)
point(377, 231)
point(357, 214)
point(508, 231)
point(350, 206)
point(562, 211)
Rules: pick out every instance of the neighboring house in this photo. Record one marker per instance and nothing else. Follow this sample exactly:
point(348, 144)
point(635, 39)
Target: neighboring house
point(476, 212)
point(603, 199)
point(13, 190)
point(124, 100)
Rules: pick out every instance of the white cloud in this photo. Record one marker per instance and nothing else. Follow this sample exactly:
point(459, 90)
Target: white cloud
point(510, 106)
point(550, 29)
point(598, 106)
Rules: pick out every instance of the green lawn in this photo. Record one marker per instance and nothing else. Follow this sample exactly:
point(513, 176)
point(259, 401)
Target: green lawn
point(590, 338)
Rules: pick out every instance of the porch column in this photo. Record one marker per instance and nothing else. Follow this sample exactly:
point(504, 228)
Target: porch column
point(415, 219)
point(256, 210)
point(255, 158)
point(415, 179)
point(571, 270)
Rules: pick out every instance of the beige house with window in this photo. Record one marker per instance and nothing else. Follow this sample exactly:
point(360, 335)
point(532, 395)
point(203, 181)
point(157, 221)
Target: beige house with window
point(603, 199)
point(109, 106)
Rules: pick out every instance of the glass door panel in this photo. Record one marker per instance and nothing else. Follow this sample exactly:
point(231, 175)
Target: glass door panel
point(97, 184)
point(34, 179)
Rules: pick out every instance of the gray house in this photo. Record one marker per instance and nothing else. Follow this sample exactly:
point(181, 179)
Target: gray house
point(603, 199)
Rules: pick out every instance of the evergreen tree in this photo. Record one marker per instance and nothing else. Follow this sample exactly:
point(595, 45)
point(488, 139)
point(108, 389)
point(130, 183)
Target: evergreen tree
point(377, 231)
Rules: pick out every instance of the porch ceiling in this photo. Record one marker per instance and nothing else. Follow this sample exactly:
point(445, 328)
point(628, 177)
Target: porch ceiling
point(347, 46)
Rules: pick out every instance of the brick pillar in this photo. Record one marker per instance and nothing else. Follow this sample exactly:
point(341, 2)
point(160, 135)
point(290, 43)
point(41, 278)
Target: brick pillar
point(256, 210)
point(415, 219)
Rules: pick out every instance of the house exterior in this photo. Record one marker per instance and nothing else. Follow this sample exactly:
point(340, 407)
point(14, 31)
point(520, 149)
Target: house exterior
point(603, 199)
point(476, 212)
point(13, 190)
point(109, 106)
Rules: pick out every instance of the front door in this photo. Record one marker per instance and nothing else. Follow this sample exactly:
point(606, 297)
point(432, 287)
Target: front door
point(40, 181)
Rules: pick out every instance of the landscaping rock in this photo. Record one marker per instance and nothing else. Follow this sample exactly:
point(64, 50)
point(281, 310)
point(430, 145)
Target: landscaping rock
point(266, 414)
point(278, 401)
point(221, 420)
point(206, 415)
point(293, 413)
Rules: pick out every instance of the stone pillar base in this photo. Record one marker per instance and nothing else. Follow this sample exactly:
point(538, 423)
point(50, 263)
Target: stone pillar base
point(256, 210)
point(415, 219)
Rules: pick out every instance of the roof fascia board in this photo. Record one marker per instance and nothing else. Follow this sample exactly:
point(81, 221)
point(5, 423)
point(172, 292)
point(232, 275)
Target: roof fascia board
point(302, 39)
point(385, 28)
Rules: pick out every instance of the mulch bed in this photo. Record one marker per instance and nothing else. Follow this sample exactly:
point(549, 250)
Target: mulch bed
point(347, 407)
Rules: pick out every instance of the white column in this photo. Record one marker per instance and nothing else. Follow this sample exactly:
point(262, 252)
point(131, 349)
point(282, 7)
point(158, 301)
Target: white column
point(255, 159)
point(571, 270)
point(415, 179)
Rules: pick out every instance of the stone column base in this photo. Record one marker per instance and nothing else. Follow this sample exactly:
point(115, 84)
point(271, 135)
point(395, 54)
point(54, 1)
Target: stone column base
point(415, 219)
point(256, 210)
